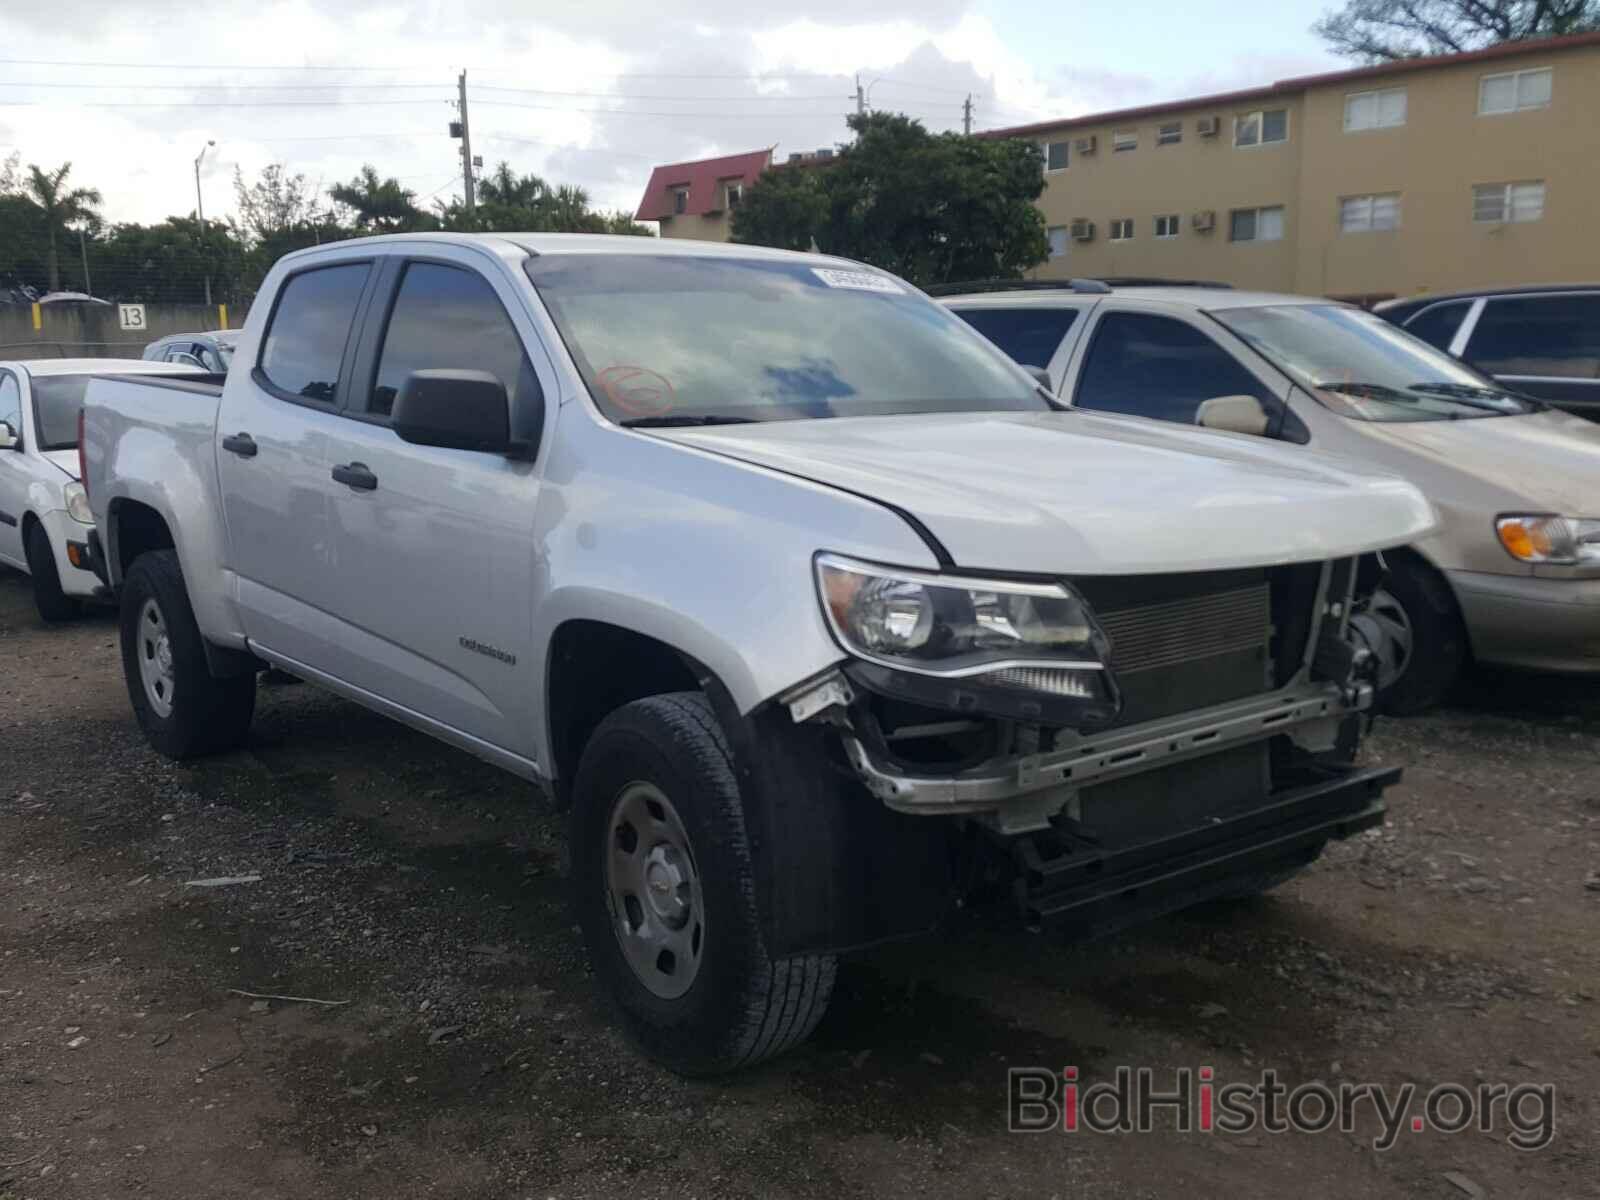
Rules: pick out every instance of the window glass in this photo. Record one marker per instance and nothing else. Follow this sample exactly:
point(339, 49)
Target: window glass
point(447, 317)
point(56, 401)
point(1055, 156)
point(1058, 240)
point(1497, 94)
point(1169, 134)
point(1495, 203)
point(1247, 129)
point(1437, 325)
point(1029, 335)
point(1124, 139)
point(1159, 367)
point(11, 402)
point(1364, 214)
point(305, 343)
point(689, 338)
point(1360, 366)
point(1375, 110)
point(1514, 90)
point(1122, 229)
point(1244, 225)
point(1275, 125)
point(1167, 226)
point(1557, 336)
point(1256, 224)
point(1533, 89)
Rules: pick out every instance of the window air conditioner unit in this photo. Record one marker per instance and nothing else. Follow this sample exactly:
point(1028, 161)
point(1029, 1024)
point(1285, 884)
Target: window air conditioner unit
point(1203, 222)
point(1207, 126)
point(1085, 145)
point(1082, 231)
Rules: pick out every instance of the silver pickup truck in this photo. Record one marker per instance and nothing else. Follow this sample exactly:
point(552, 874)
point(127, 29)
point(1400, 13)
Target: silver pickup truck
point(807, 603)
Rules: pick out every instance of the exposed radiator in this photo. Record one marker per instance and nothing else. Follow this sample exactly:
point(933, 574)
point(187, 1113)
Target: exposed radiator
point(1149, 636)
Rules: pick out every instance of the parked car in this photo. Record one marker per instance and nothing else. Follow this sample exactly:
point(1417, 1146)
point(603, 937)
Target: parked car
point(1510, 577)
point(799, 594)
point(209, 351)
point(44, 515)
point(1541, 341)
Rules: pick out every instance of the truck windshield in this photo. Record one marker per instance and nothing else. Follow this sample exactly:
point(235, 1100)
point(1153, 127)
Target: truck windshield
point(697, 341)
point(1362, 367)
point(56, 401)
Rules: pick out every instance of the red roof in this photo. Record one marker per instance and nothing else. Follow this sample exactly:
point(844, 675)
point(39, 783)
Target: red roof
point(703, 179)
point(1302, 82)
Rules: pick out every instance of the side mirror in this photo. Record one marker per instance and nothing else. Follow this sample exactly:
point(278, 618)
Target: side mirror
point(8, 437)
point(459, 409)
point(1236, 414)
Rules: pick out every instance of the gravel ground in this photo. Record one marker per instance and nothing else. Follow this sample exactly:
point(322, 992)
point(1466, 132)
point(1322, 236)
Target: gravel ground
point(468, 1055)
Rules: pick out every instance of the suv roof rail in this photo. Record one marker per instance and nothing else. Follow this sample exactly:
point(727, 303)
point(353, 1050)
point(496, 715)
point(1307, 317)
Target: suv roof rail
point(1086, 286)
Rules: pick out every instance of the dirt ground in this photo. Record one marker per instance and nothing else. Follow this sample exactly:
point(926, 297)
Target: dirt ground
point(469, 1056)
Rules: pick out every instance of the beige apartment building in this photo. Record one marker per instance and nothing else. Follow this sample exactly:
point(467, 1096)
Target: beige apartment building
point(1460, 171)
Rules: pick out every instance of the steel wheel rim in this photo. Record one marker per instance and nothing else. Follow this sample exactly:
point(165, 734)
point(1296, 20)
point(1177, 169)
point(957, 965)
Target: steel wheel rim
point(653, 891)
point(153, 646)
point(1386, 612)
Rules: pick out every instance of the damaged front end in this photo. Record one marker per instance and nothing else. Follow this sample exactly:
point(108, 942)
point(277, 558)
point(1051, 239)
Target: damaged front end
point(1115, 747)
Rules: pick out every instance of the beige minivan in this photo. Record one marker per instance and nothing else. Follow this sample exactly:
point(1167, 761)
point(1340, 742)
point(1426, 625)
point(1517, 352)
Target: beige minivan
point(1511, 578)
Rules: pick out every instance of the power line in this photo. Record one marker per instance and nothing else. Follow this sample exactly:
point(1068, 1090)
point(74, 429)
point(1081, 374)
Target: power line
point(232, 87)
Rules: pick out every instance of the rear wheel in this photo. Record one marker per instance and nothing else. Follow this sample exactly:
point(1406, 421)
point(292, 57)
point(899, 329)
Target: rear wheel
point(666, 896)
point(183, 710)
point(1428, 640)
point(53, 604)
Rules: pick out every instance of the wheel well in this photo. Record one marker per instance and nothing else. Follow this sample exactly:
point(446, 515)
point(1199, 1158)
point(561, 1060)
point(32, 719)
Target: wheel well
point(595, 669)
point(136, 529)
point(1413, 557)
point(29, 520)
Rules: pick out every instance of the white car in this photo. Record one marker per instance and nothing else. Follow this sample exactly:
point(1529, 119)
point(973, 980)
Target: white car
point(44, 515)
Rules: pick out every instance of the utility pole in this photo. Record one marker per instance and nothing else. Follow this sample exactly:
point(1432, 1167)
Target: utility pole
point(861, 99)
point(83, 249)
point(966, 116)
point(199, 212)
point(466, 148)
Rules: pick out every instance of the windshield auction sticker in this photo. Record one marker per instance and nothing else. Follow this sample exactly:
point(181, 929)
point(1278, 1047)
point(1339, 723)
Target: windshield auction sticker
point(861, 281)
point(637, 391)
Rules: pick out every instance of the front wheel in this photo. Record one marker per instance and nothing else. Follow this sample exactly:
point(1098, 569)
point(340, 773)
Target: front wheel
point(183, 709)
point(53, 604)
point(666, 896)
point(1427, 643)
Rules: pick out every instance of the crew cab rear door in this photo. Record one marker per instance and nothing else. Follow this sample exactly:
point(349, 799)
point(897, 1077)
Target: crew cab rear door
point(272, 459)
point(435, 548)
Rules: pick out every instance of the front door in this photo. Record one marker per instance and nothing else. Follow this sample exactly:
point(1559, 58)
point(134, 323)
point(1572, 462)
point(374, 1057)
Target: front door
point(434, 549)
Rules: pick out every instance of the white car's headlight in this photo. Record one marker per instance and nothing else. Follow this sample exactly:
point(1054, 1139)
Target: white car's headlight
point(78, 503)
point(1038, 639)
point(1544, 538)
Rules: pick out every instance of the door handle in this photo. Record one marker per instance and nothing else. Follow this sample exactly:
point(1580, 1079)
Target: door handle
point(241, 444)
point(355, 475)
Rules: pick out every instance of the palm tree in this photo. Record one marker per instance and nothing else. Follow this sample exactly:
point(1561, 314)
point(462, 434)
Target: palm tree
point(61, 205)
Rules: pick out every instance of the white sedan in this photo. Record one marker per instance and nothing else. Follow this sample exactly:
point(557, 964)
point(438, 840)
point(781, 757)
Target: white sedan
point(44, 513)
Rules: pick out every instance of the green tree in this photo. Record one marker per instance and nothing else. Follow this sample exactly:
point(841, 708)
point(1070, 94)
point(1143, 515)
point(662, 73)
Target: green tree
point(934, 208)
point(61, 205)
point(512, 203)
point(169, 262)
point(1385, 30)
point(380, 205)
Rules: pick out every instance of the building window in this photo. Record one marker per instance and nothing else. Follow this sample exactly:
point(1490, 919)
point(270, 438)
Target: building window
point(1122, 229)
point(680, 201)
point(1124, 139)
point(1364, 214)
point(1374, 110)
point(1513, 91)
point(1498, 203)
point(735, 194)
point(1167, 226)
point(1055, 156)
point(1169, 134)
point(1257, 224)
point(1260, 128)
point(1059, 237)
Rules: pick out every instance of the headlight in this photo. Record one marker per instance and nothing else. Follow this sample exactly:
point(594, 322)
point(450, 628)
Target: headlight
point(78, 503)
point(1562, 541)
point(1033, 638)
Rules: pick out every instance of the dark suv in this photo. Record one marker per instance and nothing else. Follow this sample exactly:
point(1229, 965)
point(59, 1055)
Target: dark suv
point(1541, 341)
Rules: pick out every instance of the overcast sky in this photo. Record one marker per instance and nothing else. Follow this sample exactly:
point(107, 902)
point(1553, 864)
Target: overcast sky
point(592, 92)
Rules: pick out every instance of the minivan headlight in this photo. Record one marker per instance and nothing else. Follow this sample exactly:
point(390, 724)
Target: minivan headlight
point(1039, 639)
point(78, 503)
point(1549, 539)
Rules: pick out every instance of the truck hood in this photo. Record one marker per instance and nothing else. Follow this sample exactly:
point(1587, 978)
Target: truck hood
point(1079, 494)
point(1545, 461)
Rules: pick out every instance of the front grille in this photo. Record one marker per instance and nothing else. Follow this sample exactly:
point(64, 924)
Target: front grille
point(1178, 631)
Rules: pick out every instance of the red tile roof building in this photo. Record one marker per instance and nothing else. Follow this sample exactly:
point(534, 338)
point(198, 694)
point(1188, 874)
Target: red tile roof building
point(695, 199)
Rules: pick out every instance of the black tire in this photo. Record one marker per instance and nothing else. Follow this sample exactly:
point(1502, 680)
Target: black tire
point(1438, 637)
point(205, 714)
point(53, 604)
point(741, 1006)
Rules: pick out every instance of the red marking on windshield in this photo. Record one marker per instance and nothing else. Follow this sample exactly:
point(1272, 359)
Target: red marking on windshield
point(637, 391)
